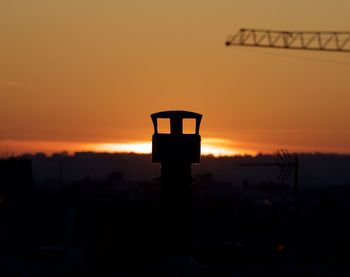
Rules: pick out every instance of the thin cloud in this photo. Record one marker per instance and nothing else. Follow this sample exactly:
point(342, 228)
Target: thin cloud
point(7, 83)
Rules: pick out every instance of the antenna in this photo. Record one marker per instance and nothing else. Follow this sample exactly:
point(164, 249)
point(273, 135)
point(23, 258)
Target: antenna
point(288, 163)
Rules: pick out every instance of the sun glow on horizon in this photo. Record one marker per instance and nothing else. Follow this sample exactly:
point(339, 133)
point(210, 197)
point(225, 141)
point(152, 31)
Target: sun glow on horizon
point(127, 147)
point(221, 147)
point(209, 146)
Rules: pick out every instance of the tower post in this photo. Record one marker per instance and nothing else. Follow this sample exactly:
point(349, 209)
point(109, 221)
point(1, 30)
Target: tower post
point(176, 152)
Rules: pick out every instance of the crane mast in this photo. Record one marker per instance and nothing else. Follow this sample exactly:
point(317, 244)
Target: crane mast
point(297, 40)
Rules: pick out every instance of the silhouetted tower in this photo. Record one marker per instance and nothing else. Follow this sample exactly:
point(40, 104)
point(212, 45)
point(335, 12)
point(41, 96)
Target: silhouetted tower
point(176, 152)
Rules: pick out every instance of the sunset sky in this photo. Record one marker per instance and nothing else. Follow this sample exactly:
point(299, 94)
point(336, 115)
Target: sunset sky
point(85, 75)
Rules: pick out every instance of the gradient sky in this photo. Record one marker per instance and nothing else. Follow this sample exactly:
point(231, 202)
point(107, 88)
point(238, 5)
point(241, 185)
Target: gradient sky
point(82, 71)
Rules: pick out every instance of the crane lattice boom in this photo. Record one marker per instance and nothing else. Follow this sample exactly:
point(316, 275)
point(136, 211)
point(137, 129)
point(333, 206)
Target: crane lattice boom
point(318, 41)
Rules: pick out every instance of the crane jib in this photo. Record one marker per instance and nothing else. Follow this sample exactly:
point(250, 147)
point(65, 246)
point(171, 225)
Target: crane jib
point(298, 40)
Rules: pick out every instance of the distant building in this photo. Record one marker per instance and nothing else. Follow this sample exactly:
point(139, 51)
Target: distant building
point(15, 177)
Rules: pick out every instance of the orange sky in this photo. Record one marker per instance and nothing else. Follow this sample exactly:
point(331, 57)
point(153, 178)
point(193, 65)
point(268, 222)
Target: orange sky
point(91, 72)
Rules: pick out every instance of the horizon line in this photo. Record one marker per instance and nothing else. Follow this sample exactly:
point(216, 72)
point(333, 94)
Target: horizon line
point(217, 147)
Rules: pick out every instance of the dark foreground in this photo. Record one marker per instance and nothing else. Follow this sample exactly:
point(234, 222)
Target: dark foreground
point(93, 229)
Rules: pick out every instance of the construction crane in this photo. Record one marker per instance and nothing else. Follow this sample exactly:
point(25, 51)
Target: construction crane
point(297, 40)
